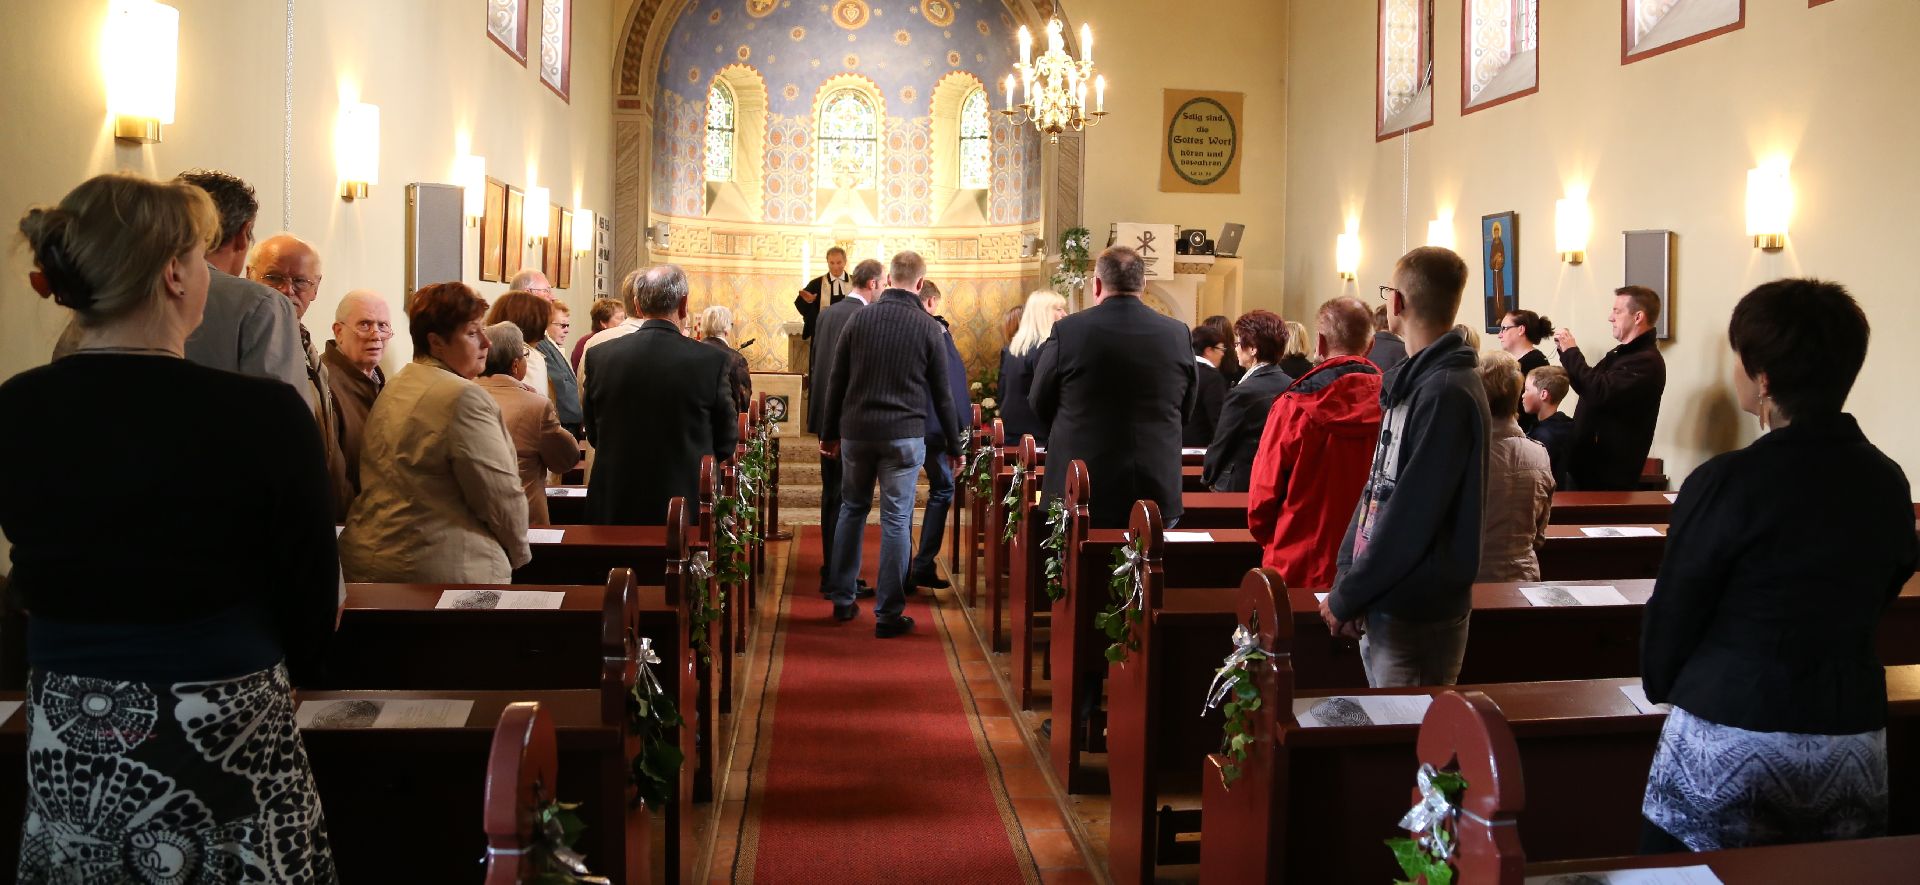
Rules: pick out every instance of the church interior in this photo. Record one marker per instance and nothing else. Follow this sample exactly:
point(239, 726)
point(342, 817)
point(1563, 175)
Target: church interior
point(1100, 687)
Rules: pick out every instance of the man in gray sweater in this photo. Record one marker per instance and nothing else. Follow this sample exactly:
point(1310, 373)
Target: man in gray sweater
point(247, 328)
point(874, 421)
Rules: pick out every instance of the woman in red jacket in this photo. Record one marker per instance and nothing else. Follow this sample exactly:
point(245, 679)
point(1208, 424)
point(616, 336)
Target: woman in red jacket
point(1316, 450)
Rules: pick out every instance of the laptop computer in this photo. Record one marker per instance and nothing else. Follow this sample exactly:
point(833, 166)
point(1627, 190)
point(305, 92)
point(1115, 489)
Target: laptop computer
point(1229, 243)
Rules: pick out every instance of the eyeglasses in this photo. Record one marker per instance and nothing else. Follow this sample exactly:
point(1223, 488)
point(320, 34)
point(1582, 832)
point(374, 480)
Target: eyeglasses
point(368, 328)
point(1504, 327)
point(1386, 291)
point(302, 285)
point(564, 325)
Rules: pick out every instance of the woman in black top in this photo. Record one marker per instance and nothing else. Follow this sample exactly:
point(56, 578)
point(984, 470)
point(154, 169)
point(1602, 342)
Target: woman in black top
point(1297, 360)
point(174, 579)
point(1210, 394)
point(1260, 336)
point(1781, 558)
point(1230, 367)
point(1521, 332)
point(1017, 360)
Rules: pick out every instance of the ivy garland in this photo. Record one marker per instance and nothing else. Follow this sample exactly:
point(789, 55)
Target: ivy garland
point(556, 828)
point(650, 713)
point(982, 477)
point(1127, 590)
point(1427, 855)
point(1234, 680)
point(1012, 502)
point(1055, 544)
point(1075, 260)
point(700, 610)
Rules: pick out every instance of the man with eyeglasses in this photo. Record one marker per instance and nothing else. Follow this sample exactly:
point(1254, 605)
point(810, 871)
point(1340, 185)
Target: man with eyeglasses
point(530, 280)
point(362, 326)
point(245, 328)
point(289, 265)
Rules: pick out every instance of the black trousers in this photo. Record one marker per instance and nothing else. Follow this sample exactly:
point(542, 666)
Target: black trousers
point(829, 508)
point(1654, 840)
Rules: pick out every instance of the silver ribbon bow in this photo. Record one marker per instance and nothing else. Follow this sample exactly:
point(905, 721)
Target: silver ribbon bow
point(1136, 564)
point(1245, 644)
point(700, 567)
point(1428, 819)
point(647, 657)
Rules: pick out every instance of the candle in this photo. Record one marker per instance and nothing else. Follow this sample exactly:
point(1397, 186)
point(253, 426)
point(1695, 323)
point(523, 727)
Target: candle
point(1100, 93)
point(1027, 88)
point(1086, 43)
point(1026, 45)
point(1009, 92)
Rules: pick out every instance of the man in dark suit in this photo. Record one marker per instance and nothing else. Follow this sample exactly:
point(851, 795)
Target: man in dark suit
point(1619, 397)
point(834, 285)
point(864, 290)
point(939, 469)
point(655, 402)
point(1116, 382)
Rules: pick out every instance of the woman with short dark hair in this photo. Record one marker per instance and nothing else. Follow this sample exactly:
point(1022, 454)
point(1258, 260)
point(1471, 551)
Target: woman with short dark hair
point(440, 495)
point(1781, 558)
point(172, 609)
point(1210, 394)
point(1260, 338)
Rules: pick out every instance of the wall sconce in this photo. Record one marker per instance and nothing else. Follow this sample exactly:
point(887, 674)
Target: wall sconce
point(1346, 255)
point(141, 53)
point(1440, 233)
point(1572, 225)
point(357, 149)
point(472, 174)
point(583, 230)
point(1769, 205)
point(538, 198)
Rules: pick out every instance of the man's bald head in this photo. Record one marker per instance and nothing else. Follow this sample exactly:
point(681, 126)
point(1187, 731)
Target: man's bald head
point(530, 280)
point(289, 265)
point(1346, 328)
point(362, 325)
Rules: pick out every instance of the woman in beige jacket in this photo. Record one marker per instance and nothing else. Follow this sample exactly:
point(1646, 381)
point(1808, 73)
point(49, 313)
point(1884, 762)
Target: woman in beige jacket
point(440, 498)
point(539, 442)
point(1519, 482)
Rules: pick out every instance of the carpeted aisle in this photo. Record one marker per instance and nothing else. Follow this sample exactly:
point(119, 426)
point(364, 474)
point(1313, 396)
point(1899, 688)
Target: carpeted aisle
point(871, 769)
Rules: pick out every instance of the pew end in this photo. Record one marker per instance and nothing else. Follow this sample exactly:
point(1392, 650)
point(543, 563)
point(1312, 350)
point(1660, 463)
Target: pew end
point(1237, 821)
point(521, 771)
point(1467, 731)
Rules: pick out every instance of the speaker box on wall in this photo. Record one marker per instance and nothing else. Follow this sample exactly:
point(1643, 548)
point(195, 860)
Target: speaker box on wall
point(1650, 264)
point(436, 233)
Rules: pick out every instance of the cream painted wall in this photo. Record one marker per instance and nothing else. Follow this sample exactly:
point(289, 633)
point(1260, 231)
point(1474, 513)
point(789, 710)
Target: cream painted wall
point(1664, 143)
point(442, 87)
point(1230, 45)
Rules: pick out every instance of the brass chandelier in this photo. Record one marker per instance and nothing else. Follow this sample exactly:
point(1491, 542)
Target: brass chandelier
point(1055, 84)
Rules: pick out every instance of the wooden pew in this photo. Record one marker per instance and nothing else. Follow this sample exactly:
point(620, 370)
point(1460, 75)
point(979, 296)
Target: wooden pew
point(1313, 803)
point(1029, 610)
point(984, 442)
point(1077, 649)
point(391, 636)
point(963, 496)
point(1611, 508)
point(996, 554)
point(1570, 554)
point(522, 769)
point(1467, 732)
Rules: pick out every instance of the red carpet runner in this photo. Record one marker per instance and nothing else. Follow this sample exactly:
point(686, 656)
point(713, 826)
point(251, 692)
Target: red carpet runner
point(872, 772)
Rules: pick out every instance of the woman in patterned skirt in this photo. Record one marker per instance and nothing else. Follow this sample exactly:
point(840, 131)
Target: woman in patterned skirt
point(1781, 558)
point(173, 548)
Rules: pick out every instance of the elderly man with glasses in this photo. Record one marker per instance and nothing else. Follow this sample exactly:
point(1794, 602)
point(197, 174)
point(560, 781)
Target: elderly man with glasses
point(530, 280)
point(289, 265)
point(362, 325)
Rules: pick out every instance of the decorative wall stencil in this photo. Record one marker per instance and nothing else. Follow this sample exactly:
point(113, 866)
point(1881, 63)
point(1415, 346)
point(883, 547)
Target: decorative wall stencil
point(556, 46)
point(939, 12)
point(762, 8)
point(851, 14)
point(905, 176)
point(507, 26)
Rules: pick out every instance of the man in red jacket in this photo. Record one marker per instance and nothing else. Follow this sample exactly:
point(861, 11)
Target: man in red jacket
point(1316, 450)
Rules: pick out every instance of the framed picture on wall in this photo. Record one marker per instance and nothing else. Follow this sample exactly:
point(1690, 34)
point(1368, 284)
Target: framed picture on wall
point(565, 279)
point(493, 233)
point(550, 247)
point(1500, 265)
point(516, 233)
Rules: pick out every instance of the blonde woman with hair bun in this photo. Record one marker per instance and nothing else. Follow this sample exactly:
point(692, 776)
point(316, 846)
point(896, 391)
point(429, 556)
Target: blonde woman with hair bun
point(172, 611)
point(1043, 309)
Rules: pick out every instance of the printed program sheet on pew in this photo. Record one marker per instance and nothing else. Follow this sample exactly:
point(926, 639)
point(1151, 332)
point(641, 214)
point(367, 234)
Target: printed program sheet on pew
point(486, 598)
point(1696, 875)
point(1619, 531)
point(7, 709)
point(1555, 595)
point(545, 536)
point(1637, 693)
point(382, 713)
point(1353, 710)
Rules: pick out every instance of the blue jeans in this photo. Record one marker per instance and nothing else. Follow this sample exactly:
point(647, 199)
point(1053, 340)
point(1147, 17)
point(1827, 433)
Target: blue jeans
point(934, 524)
point(893, 464)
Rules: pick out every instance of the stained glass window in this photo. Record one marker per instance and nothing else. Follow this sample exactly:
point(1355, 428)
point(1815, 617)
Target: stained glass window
point(1498, 37)
point(849, 139)
point(1406, 65)
point(720, 122)
point(976, 142)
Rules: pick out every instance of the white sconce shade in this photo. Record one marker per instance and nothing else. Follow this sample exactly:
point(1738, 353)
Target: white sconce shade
point(1572, 226)
point(1440, 233)
point(583, 230)
point(472, 174)
point(357, 149)
point(538, 199)
point(1769, 205)
point(1346, 255)
point(140, 51)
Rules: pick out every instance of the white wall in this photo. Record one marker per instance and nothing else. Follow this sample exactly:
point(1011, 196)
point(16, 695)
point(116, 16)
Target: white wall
point(1663, 143)
point(1229, 45)
point(442, 87)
